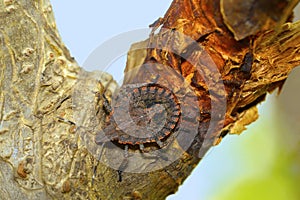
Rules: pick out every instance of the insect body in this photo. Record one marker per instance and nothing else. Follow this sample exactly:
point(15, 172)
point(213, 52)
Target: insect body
point(142, 115)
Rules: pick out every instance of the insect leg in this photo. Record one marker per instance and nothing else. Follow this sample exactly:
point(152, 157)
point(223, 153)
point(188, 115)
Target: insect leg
point(106, 105)
point(159, 143)
point(95, 167)
point(142, 147)
point(123, 164)
point(126, 151)
point(66, 120)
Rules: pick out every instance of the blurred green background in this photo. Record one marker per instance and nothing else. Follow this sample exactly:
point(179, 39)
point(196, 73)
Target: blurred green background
point(267, 156)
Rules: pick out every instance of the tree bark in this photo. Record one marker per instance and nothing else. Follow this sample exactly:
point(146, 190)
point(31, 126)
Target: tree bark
point(51, 109)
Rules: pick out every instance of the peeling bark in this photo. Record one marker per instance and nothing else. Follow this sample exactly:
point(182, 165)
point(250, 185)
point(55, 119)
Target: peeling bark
point(51, 109)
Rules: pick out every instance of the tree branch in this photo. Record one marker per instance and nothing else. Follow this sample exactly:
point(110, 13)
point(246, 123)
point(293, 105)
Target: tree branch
point(51, 110)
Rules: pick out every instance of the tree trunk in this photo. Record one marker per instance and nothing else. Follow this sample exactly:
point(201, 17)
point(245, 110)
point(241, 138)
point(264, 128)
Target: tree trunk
point(216, 59)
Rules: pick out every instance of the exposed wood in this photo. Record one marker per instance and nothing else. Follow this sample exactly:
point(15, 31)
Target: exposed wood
point(51, 110)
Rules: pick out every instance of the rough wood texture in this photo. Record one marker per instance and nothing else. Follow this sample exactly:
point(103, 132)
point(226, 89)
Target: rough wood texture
point(43, 91)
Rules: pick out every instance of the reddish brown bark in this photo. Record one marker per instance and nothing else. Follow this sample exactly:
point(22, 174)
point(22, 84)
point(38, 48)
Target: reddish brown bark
point(214, 55)
point(214, 26)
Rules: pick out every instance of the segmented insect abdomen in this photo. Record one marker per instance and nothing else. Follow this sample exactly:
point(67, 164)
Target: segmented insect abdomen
point(145, 114)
